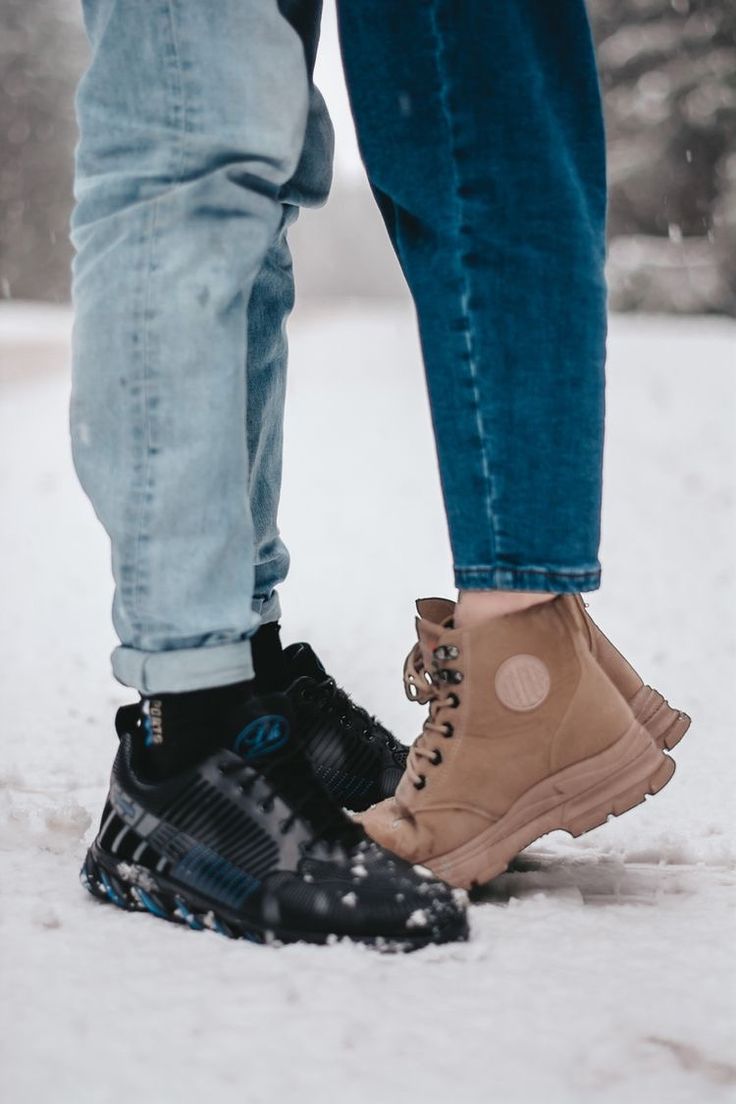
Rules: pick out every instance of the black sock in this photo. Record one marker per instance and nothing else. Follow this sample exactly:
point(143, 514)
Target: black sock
point(182, 729)
point(268, 659)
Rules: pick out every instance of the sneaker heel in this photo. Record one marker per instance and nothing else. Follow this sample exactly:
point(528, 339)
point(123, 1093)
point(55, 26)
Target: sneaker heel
point(103, 885)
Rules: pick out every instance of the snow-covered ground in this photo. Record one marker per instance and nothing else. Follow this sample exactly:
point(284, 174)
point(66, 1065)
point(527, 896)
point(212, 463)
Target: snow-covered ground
point(600, 970)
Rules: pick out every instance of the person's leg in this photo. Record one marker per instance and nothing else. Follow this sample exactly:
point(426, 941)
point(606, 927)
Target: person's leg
point(193, 118)
point(191, 121)
point(271, 302)
point(482, 133)
point(481, 130)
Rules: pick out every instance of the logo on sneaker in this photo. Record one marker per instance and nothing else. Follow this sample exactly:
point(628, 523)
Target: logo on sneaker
point(262, 737)
point(522, 682)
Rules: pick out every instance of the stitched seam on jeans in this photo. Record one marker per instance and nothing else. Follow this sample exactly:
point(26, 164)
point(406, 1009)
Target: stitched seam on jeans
point(526, 580)
point(138, 587)
point(181, 119)
point(482, 569)
point(177, 112)
point(489, 494)
point(500, 577)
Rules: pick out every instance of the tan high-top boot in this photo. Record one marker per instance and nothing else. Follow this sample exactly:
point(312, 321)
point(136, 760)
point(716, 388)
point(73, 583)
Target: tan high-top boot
point(664, 724)
point(526, 734)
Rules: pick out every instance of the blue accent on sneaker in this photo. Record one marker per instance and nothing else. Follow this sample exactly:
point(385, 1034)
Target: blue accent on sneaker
point(148, 729)
point(262, 736)
point(205, 871)
point(111, 891)
point(150, 904)
point(184, 913)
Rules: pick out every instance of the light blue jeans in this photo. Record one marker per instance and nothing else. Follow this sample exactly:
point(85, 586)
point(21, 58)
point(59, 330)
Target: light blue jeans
point(201, 134)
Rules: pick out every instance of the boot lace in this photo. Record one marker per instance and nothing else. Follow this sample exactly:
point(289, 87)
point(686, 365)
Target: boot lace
point(436, 688)
point(418, 684)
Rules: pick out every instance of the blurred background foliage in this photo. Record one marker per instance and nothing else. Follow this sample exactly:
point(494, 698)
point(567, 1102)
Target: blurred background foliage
point(668, 72)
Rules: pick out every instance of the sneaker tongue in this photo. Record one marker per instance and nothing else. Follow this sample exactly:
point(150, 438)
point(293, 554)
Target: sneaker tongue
point(264, 732)
point(261, 729)
point(301, 661)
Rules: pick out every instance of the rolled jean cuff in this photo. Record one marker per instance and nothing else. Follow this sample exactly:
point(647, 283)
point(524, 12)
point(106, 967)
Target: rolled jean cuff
point(551, 580)
point(267, 609)
point(181, 669)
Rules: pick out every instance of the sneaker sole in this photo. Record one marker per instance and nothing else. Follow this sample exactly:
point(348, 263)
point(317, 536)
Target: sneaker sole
point(574, 800)
point(665, 725)
point(135, 888)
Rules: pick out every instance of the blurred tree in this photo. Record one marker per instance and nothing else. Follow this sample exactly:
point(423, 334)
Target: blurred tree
point(668, 71)
point(42, 52)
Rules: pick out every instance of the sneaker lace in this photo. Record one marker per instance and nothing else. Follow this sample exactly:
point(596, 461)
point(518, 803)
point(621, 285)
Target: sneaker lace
point(436, 688)
point(291, 778)
point(354, 717)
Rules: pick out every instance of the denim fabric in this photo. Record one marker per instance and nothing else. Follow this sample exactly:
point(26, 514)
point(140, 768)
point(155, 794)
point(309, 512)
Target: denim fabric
point(481, 130)
point(200, 135)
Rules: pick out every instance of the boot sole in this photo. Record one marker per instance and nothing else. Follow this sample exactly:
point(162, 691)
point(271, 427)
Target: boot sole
point(575, 800)
point(665, 725)
point(135, 888)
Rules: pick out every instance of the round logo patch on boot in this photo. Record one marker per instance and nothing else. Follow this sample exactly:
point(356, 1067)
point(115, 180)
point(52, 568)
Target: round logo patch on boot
point(522, 682)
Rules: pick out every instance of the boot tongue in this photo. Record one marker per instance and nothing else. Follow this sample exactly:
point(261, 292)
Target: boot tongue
point(436, 610)
point(301, 661)
point(429, 635)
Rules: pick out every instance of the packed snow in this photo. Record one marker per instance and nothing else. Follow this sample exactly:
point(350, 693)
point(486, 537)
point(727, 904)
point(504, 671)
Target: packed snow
point(599, 970)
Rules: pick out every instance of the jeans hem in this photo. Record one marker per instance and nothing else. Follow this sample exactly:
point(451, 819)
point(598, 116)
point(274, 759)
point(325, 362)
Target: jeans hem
point(548, 580)
point(267, 609)
point(181, 669)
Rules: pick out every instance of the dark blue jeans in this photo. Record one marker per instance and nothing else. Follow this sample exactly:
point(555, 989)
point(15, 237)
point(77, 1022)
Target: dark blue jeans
point(481, 129)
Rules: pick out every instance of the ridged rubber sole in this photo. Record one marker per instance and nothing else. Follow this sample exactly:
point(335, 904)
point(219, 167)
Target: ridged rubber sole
point(574, 800)
point(135, 888)
point(665, 725)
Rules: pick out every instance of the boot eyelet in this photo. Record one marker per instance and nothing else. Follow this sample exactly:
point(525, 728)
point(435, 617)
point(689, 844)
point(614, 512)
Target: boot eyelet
point(421, 783)
point(453, 701)
point(449, 731)
point(437, 759)
point(455, 676)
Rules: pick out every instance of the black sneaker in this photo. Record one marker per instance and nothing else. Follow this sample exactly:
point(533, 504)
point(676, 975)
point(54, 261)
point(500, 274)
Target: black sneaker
point(357, 760)
point(248, 844)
